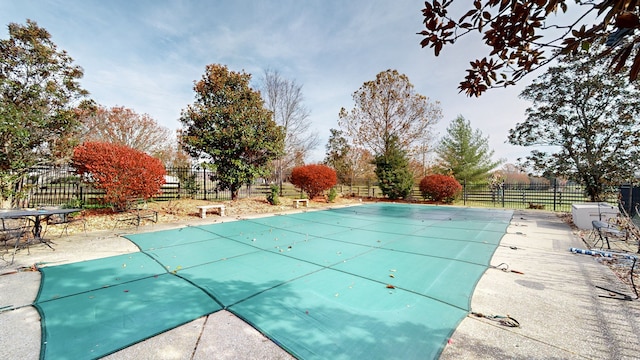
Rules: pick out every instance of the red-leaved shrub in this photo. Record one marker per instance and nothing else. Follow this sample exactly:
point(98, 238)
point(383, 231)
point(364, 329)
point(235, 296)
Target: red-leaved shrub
point(313, 179)
point(440, 188)
point(124, 173)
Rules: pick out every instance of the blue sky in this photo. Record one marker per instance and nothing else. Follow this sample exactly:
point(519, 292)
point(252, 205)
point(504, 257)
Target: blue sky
point(146, 55)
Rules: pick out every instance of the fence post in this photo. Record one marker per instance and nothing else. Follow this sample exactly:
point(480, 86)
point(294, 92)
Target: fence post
point(502, 190)
point(204, 181)
point(464, 192)
point(555, 192)
point(184, 176)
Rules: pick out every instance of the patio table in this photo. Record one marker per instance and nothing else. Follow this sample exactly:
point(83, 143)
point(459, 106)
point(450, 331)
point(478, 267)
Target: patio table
point(37, 216)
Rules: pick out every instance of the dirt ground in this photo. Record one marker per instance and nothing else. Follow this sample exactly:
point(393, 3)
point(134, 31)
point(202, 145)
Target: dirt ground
point(185, 209)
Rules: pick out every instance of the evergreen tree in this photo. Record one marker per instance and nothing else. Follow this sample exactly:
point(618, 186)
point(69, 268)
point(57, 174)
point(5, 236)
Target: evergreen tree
point(464, 153)
point(392, 169)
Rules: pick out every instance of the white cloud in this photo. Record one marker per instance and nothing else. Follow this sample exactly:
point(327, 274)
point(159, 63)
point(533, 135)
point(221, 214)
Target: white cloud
point(146, 54)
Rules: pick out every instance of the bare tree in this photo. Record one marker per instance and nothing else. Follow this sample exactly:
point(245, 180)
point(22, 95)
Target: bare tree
point(120, 125)
point(386, 108)
point(284, 99)
point(361, 167)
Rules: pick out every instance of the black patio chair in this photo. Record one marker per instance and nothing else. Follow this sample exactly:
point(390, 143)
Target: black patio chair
point(602, 231)
point(18, 232)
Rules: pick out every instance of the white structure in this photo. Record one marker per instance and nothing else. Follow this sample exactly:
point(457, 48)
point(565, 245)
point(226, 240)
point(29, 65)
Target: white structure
point(584, 214)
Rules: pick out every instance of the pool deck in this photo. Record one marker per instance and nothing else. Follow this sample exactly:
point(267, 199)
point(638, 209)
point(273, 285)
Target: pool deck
point(553, 294)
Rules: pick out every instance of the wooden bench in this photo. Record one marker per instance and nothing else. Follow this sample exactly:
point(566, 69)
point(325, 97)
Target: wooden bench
point(204, 208)
point(297, 202)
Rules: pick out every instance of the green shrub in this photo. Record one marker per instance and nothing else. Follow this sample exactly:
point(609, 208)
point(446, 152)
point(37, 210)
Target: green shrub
point(73, 204)
point(272, 196)
point(440, 188)
point(188, 182)
point(332, 194)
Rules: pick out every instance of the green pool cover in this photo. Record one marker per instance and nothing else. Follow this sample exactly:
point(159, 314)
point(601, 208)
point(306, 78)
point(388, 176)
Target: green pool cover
point(374, 281)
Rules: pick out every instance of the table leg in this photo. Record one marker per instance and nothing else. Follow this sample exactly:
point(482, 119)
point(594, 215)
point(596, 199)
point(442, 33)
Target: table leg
point(37, 230)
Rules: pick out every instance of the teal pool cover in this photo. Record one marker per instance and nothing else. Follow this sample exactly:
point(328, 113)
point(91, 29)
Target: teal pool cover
point(375, 281)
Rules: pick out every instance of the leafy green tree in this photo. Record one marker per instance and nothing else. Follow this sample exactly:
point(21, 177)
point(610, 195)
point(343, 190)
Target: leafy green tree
point(228, 127)
point(520, 33)
point(464, 153)
point(590, 116)
point(39, 97)
point(394, 175)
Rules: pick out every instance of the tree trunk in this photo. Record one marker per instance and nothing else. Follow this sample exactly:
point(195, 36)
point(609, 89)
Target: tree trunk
point(234, 192)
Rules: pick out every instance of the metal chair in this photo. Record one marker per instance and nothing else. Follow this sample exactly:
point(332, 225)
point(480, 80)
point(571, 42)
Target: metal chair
point(65, 221)
point(16, 230)
point(603, 230)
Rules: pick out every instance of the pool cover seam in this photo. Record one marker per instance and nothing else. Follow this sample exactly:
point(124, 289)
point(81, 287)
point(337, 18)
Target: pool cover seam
point(439, 221)
point(353, 243)
point(329, 224)
point(393, 241)
point(436, 222)
point(371, 248)
point(102, 287)
point(331, 267)
point(322, 267)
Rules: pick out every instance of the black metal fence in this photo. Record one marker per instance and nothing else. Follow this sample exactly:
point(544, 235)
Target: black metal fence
point(55, 186)
point(552, 197)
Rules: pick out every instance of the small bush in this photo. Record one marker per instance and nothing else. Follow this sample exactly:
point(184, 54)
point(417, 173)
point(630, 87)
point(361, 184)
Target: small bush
point(124, 173)
point(272, 196)
point(332, 195)
point(440, 188)
point(73, 204)
point(189, 184)
point(313, 179)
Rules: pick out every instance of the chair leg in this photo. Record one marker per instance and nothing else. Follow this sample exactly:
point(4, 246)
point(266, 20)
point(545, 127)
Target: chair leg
point(5, 248)
point(15, 246)
point(65, 229)
point(597, 237)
